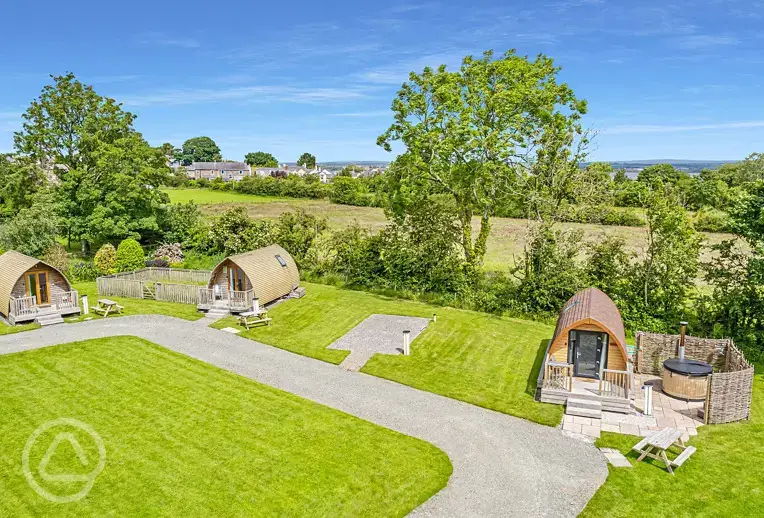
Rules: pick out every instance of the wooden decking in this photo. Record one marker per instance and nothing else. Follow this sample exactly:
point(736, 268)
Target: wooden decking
point(26, 309)
point(588, 390)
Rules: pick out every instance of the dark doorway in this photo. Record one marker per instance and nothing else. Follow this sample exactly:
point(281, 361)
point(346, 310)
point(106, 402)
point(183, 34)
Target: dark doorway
point(588, 349)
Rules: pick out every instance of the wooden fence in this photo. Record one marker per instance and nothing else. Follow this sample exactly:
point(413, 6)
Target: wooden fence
point(169, 284)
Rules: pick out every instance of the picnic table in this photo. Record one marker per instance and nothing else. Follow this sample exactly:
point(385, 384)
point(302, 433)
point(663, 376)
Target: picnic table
point(655, 447)
point(252, 318)
point(105, 306)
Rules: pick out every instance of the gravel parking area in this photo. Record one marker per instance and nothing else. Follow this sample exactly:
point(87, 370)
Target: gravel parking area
point(503, 466)
point(377, 334)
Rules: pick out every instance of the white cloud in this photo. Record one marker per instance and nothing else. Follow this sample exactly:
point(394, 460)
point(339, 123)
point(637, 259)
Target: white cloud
point(659, 128)
point(245, 93)
point(375, 113)
point(163, 40)
point(706, 41)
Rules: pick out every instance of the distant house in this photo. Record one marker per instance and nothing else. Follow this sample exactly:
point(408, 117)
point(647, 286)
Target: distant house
point(265, 171)
point(326, 176)
point(228, 171)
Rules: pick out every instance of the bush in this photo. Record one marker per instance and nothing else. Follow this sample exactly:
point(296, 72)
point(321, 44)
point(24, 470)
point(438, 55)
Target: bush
point(157, 263)
point(708, 219)
point(297, 231)
point(169, 253)
point(58, 258)
point(106, 259)
point(235, 232)
point(83, 271)
point(129, 256)
point(181, 223)
point(31, 232)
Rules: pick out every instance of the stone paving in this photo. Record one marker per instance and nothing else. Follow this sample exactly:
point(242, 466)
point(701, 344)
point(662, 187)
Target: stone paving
point(668, 412)
point(377, 334)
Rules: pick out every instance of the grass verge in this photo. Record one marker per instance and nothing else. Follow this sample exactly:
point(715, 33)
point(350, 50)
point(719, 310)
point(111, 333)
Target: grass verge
point(482, 359)
point(184, 438)
point(724, 477)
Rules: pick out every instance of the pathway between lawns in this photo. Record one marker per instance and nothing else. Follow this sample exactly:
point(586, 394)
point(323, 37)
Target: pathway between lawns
point(502, 465)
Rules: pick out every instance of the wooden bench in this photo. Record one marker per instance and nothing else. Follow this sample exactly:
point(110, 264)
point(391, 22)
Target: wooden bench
point(253, 318)
point(656, 445)
point(105, 306)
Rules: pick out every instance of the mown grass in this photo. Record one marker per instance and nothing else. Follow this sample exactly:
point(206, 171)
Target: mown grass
point(724, 477)
point(482, 359)
point(184, 438)
point(135, 306)
point(208, 196)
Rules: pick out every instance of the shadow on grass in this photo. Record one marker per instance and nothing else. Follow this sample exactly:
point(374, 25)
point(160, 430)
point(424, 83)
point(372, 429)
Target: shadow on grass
point(533, 375)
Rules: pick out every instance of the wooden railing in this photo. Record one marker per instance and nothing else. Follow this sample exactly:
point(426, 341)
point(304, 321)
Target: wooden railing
point(183, 293)
point(120, 287)
point(21, 306)
point(614, 383)
point(66, 300)
point(235, 300)
point(558, 376)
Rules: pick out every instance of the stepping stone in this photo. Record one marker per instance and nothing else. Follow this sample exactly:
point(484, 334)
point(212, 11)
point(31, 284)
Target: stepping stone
point(615, 458)
point(231, 330)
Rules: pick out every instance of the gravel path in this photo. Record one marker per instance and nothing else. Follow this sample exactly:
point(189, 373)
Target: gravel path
point(502, 465)
point(377, 334)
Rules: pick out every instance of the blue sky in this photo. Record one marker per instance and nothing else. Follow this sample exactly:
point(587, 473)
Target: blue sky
point(664, 79)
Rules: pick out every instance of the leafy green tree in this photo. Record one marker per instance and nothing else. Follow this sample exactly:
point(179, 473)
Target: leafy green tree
point(297, 232)
point(620, 177)
point(32, 231)
point(664, 173)
point(607, 267)
point(181, 223)
point(108, 175)
point(348, 170)
point(57, 256)
point(307, 160)
point(20, 180)
point(234, 232)
point(199, 149)
point(261, 159)
point(130, 256)
point(169, 152)
point(106, 259)
point(470, 134)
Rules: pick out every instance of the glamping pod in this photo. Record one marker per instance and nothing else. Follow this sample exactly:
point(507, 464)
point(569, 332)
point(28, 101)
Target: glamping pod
point(587, 354)
point(32, 290)
point(262, 275)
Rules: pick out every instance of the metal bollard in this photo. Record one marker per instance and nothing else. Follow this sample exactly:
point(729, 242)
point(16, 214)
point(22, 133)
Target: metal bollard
point(406, 343)
point(85, 307)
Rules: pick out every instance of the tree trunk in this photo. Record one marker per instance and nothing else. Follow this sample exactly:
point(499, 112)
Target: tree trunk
point(85, 247)
point(466, 220)
point(481, 244)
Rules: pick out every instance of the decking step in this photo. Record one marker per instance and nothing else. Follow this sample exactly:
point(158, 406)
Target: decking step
point(584, 408)
point(49, 320)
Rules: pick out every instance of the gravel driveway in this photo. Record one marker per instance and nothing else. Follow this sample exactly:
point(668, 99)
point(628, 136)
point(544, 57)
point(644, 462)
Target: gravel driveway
point(503, 466)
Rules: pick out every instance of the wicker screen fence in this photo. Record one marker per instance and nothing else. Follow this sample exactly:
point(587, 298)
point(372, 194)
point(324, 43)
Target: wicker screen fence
point(165, 284)
point(730, 387)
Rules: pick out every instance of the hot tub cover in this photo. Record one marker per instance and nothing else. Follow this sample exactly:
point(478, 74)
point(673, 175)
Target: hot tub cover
point(692, 368)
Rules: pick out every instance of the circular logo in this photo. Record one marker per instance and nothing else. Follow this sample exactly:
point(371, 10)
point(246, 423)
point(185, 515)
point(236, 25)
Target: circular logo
point(81, 483)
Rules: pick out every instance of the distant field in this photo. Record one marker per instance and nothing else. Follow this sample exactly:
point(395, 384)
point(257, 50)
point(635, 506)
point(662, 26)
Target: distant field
point(505, 244)
point(207, 196)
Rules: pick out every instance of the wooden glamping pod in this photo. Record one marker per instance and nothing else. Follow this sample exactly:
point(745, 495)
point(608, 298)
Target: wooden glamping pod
point(31, 290)
point(587, 355)
point(265, 275)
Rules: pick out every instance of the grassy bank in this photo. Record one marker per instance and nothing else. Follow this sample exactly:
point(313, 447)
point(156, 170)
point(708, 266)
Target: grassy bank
point(474, 357)
point(183, 438)
point(723, 478)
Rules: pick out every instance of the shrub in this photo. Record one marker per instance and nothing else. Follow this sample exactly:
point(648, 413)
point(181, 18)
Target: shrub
point(235, 232)
point(58, 258)
point(169, 253)
point(129, 256)
point(106, 259)
point(157, 262)
point(83, 271)
point(708, 219)
point(297, 231)
point(31, 232)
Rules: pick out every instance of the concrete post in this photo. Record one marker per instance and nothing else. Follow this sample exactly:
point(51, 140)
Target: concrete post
point(255, 304)
point(406, 343)
point(434, 317)
point(85, 307)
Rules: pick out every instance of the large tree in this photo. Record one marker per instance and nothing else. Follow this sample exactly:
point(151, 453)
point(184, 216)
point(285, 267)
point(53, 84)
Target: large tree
point(307, 160)
point(108, 176)
point(199, 149)
point(473, 132)
point(20, 180)
point(261, 159)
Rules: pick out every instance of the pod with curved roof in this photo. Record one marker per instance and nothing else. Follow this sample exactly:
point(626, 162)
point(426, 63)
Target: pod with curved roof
point(265, 274)
point(589, 335)
point(31, 289)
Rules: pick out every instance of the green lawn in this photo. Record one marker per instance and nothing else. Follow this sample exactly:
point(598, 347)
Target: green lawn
point(208, 197)
point(474, 357)
point(725, 477)
point(183, 438)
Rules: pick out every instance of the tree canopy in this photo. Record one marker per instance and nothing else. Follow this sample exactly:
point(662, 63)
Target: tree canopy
point(107, 175)
point(473, 132)
point(261, 159)
point(307, 160)
point(199, 149)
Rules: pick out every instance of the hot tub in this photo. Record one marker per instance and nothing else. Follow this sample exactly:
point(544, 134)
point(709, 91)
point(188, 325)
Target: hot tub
point(686, 379)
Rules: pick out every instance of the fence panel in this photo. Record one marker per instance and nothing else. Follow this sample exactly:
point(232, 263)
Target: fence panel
point(116, 287)
point(183, 293)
